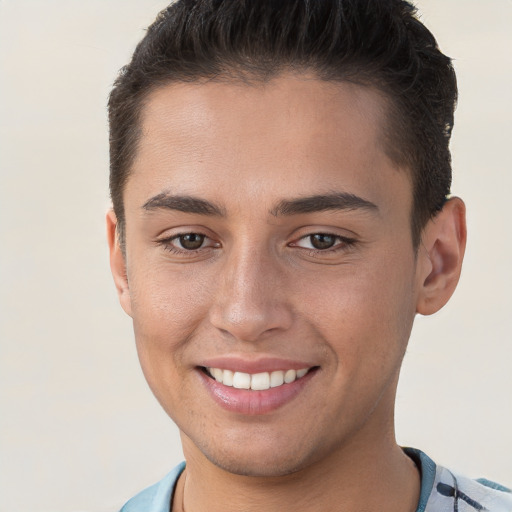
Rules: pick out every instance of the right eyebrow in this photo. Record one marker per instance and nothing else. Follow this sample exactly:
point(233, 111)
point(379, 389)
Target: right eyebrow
point(186, 204)
point(323, 202)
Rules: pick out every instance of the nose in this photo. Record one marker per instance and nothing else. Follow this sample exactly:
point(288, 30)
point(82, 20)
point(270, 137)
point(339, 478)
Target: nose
point(250, 302)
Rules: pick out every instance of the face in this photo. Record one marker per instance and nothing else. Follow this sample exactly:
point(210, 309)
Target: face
point(268, 239)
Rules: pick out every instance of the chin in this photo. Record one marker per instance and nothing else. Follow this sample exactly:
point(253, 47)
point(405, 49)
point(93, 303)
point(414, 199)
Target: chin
point(258, 457)
point(267, 468)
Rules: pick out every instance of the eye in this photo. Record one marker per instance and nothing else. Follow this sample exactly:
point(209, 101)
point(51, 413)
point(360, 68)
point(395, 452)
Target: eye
point(190, 241)
point(322, 241)
point(187, 243)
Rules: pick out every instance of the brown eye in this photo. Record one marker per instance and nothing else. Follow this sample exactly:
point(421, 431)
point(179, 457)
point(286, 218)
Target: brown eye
point(321, 241)
point(191, 241)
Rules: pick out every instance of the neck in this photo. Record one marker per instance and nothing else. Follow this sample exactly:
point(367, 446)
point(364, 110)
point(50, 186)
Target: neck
point(351, 479)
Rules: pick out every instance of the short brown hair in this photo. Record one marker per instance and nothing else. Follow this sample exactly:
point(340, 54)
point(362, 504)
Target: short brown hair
point(380, 43)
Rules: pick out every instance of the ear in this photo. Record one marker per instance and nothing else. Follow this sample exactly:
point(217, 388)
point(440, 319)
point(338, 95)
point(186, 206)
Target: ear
point(118, 263)
point(440, 256)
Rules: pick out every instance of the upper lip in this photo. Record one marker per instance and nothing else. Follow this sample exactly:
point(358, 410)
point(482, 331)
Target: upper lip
point(255, 365)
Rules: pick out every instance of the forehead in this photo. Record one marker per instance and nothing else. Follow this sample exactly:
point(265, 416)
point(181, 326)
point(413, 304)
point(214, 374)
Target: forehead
point(287, 136)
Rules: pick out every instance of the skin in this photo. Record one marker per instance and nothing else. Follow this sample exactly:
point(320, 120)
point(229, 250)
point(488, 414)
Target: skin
point(258, 288)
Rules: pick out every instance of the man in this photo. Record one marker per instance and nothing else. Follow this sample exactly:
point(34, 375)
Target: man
point(280, 175)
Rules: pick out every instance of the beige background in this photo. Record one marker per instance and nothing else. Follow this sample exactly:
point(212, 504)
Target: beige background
point(80, 431)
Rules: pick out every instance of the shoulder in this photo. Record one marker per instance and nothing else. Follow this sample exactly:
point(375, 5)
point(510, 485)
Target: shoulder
point(444, 490)
point(156, 498)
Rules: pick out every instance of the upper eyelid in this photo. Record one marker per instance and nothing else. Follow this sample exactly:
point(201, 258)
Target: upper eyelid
point(342, 238)
point(164, 236)
point(171, 229)
point(169, 239)
point(332, 230)
point(179, 235)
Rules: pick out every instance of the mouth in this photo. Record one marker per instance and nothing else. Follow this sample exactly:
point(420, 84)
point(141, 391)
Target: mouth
point(261, 381)
point(258, 387)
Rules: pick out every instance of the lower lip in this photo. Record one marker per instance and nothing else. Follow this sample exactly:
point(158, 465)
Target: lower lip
point(244, 401)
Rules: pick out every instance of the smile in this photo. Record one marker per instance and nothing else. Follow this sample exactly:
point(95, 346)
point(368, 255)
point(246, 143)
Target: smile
point(256, 381)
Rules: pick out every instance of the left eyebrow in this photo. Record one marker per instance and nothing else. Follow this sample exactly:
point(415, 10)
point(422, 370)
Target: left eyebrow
point(323, 202)
point(185, 204)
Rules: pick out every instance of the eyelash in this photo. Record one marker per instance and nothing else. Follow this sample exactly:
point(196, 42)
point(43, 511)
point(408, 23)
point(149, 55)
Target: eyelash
point(167, 244)
point(341, 244)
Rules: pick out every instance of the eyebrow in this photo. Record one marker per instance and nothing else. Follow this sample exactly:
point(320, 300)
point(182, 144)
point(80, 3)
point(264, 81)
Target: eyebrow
point(186, 204)
point(286, 207)
point(323, 202)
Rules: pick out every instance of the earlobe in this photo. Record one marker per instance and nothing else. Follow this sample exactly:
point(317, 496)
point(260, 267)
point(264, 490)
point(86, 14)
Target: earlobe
point(440, 256)
point(118, 263)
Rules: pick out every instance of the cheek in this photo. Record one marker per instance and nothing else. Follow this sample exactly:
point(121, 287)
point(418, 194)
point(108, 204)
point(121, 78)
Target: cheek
point(365, 314)
point(168, 299)
point(167, 309)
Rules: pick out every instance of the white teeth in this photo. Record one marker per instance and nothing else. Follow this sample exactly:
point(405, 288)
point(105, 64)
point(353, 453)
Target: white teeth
point(256, 381)
point(227, 378)
point(276, 379)
point(241, 380)
point(217, 374)
point(301, 373)
point(290, 376)
point(260, 381)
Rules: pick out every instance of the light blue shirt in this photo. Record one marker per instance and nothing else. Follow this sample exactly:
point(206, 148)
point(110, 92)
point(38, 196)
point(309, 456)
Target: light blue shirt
point(441, 491)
